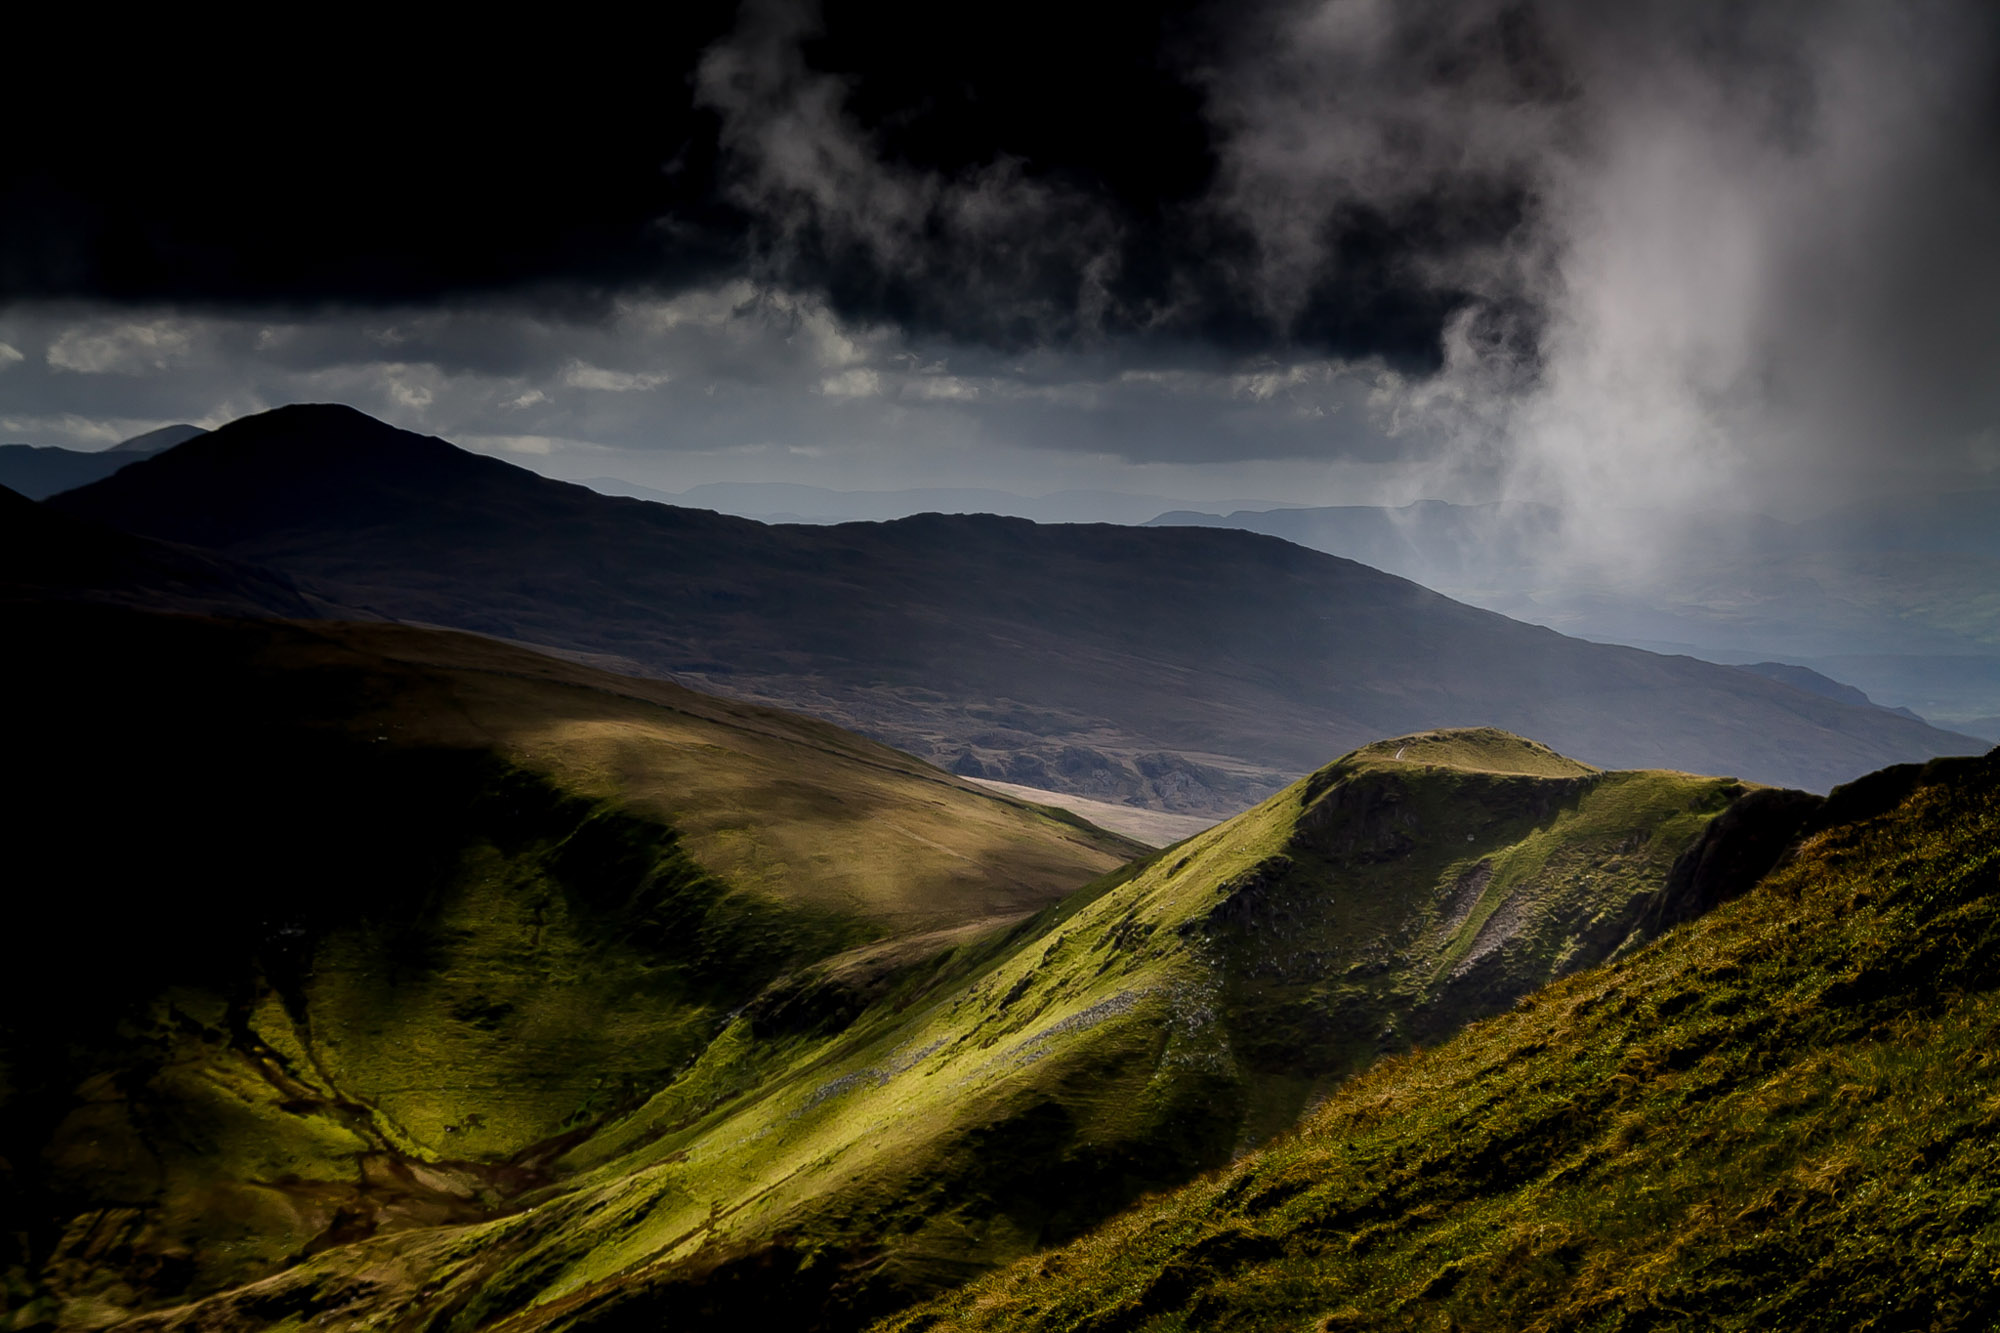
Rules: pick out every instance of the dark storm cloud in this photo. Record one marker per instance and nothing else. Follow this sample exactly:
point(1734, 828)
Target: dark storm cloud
point(1648, 253)
point(1010, 178)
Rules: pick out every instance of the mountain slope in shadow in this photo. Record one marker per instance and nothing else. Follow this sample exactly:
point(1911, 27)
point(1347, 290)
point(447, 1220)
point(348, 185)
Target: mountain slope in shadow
point(1190, 669)
point(47, 555)
point(41, 471)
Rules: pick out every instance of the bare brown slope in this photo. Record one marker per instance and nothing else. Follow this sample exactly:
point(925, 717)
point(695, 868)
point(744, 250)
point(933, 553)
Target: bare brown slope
point(1184, 668)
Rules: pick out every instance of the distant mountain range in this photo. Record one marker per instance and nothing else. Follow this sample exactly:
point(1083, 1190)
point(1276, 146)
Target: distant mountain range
point(41, 471)
point(783, 502)
point(1187, 669)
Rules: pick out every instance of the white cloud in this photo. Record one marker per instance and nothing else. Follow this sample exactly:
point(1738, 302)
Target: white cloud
point(582, 376)
point(9, 354)
point(940, 388)
point(857, 383)
point(129, 348)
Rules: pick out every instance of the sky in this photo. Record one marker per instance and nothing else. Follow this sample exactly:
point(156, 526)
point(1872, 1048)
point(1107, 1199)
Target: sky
point(1674, 255)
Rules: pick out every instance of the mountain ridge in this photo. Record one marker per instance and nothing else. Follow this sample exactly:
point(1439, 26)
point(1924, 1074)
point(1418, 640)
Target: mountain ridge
point(877, 1125)
point(1779, 1115)
point(1187, 669)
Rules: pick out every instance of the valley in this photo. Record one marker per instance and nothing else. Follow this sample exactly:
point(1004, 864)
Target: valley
point(592, 997)
point(482, 978)
point(1296, 666)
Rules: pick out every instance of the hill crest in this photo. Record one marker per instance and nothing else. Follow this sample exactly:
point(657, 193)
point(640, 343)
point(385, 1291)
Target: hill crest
point(1472, 750)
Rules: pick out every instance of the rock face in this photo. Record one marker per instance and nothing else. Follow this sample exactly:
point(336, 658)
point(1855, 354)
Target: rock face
point(1737, 849)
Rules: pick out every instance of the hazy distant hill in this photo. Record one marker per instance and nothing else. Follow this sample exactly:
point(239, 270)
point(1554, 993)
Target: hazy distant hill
point(1813, 682)
point(1193, 669)
point(784, 502)
point(1898, 596)
point(39, 472)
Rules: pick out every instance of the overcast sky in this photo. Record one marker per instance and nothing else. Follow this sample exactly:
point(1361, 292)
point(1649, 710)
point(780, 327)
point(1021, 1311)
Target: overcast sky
point(1667, 254)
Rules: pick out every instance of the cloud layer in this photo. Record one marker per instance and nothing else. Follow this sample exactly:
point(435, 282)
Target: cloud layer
point(1662, 253)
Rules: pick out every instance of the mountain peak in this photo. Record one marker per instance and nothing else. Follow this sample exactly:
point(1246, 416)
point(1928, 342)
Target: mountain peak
point(1474, 750)
point(157, 441)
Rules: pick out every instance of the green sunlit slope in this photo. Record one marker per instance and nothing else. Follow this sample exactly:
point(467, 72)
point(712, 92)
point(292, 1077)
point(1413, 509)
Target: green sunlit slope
point(1784, 1115)
point(319, 932)
point(893, 1121)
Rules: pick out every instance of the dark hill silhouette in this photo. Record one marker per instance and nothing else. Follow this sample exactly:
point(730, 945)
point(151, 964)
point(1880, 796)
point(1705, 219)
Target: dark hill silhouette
point(1180, 667)
point(39, 471)
point(49, 556)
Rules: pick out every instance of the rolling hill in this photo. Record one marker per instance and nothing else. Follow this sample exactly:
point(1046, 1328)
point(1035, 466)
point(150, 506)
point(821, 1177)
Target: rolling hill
point(577, 1082)
point(1782, 1115)
point(1187, 669)
point(329, 929)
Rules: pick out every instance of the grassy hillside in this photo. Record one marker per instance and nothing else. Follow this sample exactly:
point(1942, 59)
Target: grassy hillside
point(1784, 1115)
point(1187, 669)
point(325, 931)
point(889, 1122)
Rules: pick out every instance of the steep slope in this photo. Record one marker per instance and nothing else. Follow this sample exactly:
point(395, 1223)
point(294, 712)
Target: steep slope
point(1783, 1116)
point(883, 1127)
point(329, 930)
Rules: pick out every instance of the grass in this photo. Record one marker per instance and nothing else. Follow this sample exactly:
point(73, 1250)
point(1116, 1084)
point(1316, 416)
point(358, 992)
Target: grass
point(1781, 1115)
point(885, 1123)
point(344, 931)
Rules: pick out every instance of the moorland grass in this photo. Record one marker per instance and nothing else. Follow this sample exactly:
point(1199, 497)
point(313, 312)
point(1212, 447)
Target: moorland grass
point(1783, 1115)
point(880, 1127)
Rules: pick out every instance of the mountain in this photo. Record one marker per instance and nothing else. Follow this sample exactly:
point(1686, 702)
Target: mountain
point(1894, 595)
point(153, 441)
point(1784, 1115)
point(41, 471)
point(1189, 669)
point(46, 555)
point(785, 502)
point(329, 930)
point(1812, 682)
point(579, 1082)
